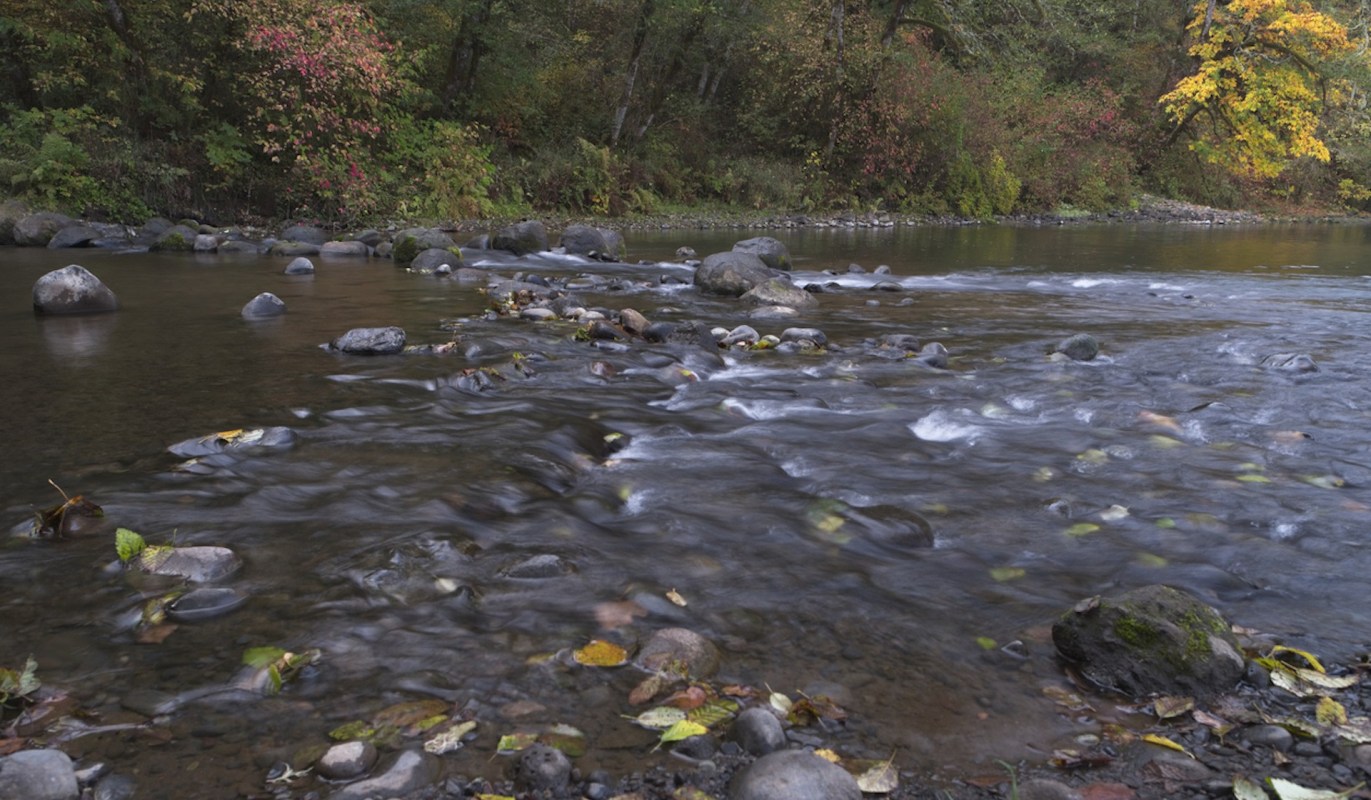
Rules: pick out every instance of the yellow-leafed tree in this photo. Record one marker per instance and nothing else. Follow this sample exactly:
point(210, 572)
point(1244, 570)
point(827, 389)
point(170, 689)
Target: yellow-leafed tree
point(1261, 84)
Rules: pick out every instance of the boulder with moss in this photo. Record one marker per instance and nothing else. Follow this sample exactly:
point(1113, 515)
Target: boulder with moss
point(1152, 640)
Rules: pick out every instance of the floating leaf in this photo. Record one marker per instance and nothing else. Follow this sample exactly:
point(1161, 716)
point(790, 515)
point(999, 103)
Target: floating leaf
point(128, 544)
point(1287, 790)
point(1244, 788)
point(514, 742)
point(1168, 707)
point(599, 653)
point(659, 718)
point(413, 716)
point(650, 687)
point(20, 684)
point(493, 797)
point(1324, 481)
point(713, 712)
point(1003, 574)
point(1304, 654)
point(1356, 730)
point(986, 643)
point(1043, 474)
point(1114, 513)
point(828, 755)
point(1166, 523)
point(676, 598)
point(1330, 712)
point(350, 731)
point(1093, 456)
point(1151, 560)
point(262, 656)
point(1252, 477)
point(1159, 420)
point(450, 739)
point(1164, 442)
point(688, 698)
point(1162, 741)
point(681, 730)
point(53, 521)
point(880, 779)
point(1066, 698)
point(566, 738)
point(1081, 529)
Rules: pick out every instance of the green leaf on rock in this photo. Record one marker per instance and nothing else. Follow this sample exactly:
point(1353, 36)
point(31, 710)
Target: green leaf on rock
point(128, 544)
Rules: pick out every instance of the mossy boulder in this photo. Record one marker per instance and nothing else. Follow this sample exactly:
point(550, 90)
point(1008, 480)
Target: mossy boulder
point(771, 251)
point(177, 238)
point(1152, 640)
point(412, 241)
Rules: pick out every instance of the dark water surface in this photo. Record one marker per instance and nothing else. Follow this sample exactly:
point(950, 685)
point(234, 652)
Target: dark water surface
point(776, 492)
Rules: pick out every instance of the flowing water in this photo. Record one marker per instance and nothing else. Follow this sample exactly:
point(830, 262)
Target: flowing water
point(781, 494)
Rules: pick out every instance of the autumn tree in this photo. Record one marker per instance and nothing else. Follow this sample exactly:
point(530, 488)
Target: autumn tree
point(1261, 83)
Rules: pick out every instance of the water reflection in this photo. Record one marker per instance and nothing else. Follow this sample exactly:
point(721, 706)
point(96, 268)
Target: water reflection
point(75, 340)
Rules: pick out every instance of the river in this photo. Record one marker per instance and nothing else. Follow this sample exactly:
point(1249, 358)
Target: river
point(781, 495)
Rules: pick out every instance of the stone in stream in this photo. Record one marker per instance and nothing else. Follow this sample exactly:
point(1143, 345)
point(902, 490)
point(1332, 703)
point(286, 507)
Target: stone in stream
point(38, 775)
point(300, 266)
point(793, 775)
point(177, 238)
point(202, 564)
point(731, 274)
point(521, 238)
point(347, 249)
point(305, 233)
point(680, 651)
point(811, 335)
point(542, 769)
point(36, 230)
point(1155, 639)
point(434, 257)
point(584, 240)
point(779, 292)
point(411, 242)
point(1290, 362)
point(371, 341)
point(264, 305)
point(758, 731)
point(771, 251)
point(205, 243)
point(933, 355)
point(545, 565)
point(73, 236)
point(1080, 347)
point(73, 289)
point(274, 438)
point(411, 771)
point(205, 603)
point(743, 334)
point(346, 761)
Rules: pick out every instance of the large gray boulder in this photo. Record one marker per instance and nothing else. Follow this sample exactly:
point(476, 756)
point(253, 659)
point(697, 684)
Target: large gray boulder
point(435, 257)
point(1155, 639)
point(348, 249)
point(177, 238)
point(305, 233)
point(38, 775)
point(601, 243)
point(73, 236)
point(769, 250)
point(264, 305)
point(36, 230)
point(731, 274)
point(411, 242)
point(73, 289)
point(371, 341)
point(521, 238)
point(294, 249)
point(793, 775)
point(779, 292)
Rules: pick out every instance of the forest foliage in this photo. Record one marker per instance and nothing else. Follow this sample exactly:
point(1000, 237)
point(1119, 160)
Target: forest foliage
point(356, 110)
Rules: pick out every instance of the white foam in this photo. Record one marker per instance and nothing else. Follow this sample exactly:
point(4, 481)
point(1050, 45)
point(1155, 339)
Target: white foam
point(940, 426)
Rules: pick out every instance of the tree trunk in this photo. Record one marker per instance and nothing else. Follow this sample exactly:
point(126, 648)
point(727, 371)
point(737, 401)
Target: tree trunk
point(465, 57)
point(834, 39)
point(635, 58)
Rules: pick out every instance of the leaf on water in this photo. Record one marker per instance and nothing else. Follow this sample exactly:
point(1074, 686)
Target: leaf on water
point(1330, 712)
point(1066, 699)
point(566, 738)
point(1043, 474)
point(681, 730)
point(880, 779)
point(356, 730)
point(1114, 513)
point(514, 742)
point(650, 687)
point(1286, 790)
point(713, 712)
point(1219, 725)
point(1166, 523)
point(688, 698)
point(450, 739)
point(1244, 788)
point(599, 653)
point(675, 597)
point(828, 755)
point(659, 718)
point(1304, 654)
point(1093, 456)
point(493, 797)
point(1160, 420)
point(986, 643)
point(780, 702)
point(17, 683)
point(128, 544)
point(412, 716)
point(1168, 707)
point(1252, 477)
point(1151, 560)
point(262, 656)
point(1003, 574)
point(1081, 529)
point(1162, 741)
point(1324, 481)
point(1164, 442)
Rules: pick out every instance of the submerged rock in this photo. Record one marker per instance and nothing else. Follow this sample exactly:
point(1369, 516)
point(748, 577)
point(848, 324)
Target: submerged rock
point(276, 437)
point(1155, 639)
point(411, 771)
point(203, 564)
point(779, 292)
point(1081, 347)
point(371, 341)
point(540, 566)
point(205, 603)
point(794, 775)
point(542, 769)
point(73, 289)
point(300, 266)
point(1290, 362)
point(38, 775)
point(680, 651)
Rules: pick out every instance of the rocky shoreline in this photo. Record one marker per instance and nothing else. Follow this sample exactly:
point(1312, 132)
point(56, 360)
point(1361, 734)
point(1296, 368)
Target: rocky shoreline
point(1254, 728)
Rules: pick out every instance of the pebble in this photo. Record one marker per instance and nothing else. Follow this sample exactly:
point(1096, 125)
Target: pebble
point(412, 770)
point(38, 775)
point(758, 731)
point(542, 768)
point(1273, 736)
point(794, 775)
point(347, 760)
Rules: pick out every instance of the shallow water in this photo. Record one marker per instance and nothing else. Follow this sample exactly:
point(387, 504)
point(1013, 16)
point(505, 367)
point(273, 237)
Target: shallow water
point(780, 494)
